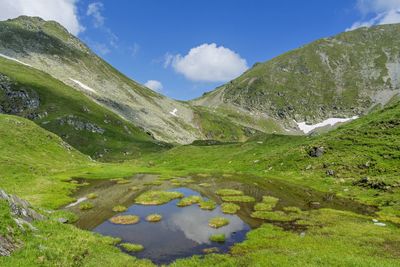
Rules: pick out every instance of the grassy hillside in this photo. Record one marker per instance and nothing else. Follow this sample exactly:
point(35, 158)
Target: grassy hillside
point(31, 158)
point(47, 46)
point(87, 126)
point(367, 147)
point(340, 76)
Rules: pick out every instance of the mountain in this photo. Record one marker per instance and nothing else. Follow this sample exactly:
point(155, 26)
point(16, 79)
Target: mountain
point(338, 77)
point(47, 46)
point(59, 108)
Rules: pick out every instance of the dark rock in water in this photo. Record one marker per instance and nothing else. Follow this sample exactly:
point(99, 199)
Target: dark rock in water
point(316, 152)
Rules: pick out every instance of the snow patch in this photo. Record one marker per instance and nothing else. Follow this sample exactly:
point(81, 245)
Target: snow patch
point(173, 113)
point(82, 85)
point(14, 59)
point(80, 200)
point(303, 126)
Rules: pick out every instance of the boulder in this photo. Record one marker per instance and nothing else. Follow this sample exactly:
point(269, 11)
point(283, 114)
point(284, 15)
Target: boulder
point(316, 152)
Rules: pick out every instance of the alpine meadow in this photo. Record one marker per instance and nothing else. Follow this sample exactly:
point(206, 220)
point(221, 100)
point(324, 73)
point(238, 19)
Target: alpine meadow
point(290, 161)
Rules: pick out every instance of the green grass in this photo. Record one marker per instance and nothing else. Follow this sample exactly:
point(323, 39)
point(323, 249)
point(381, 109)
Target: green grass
point(125, 219)
point(187, 201)
point(228, 192)
point(219, 238)
point(230, 208)
point(154, 217)
point(86, 206)
point(119, 208)
point(267, 204)
point(207, 204)
point(132, 247)
point(238, 199)
point(92, 196)
point(157, 197)
point(218, 222)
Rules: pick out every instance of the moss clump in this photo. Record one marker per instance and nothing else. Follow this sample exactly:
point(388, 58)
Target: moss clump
point(134, 188)
point(119, 208)
point(292, 209)
point(270, 200)
point(154, 217)
point(86, 206)
point(273, 216)
point(218, 222)
point(207, 205)
point(125, 219)
point(155, 183)
point(220, 238)
point(205, 184)
point(157, 197)
point(210, 250)
point(112, 241)
point(230, 208)
point(123, 181)
point(229, 192)
point(187, 201)
point(267, 204)
point(238, 199)
point(92, 196)
point(132, 247)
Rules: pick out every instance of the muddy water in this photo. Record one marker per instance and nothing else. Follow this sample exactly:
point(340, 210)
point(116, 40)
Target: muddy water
point(184, 231)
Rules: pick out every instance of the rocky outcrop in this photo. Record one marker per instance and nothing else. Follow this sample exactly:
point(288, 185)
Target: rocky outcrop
point(17, 100)
point(23, 215)
point(81, 125)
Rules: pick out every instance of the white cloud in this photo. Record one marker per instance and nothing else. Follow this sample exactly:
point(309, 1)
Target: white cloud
point(382, 12)
point(94, 10)
point(154, 85)
point(62, 11)
point(134, 49)
point(208, 63)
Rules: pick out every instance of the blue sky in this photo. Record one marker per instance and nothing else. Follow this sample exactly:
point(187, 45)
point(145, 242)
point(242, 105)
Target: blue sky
point(257, 30)
point(188, 47)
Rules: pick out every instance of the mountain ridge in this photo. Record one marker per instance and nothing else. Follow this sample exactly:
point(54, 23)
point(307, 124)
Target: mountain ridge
point(340, 76)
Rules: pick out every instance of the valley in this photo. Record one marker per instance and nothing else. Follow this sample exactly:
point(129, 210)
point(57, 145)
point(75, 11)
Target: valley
point(293, 163)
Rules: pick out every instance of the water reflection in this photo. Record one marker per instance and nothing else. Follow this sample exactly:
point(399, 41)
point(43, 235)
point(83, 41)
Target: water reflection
point(182, 232)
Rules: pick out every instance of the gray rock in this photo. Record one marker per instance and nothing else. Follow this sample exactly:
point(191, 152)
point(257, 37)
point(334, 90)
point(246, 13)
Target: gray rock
point(316, 152)
point(330, 172)
point(80, 125)
point(23, 214)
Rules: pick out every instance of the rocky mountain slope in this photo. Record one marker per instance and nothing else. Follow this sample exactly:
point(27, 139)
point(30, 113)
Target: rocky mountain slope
point(338, 77)
point(47, 46)
point(80, 122)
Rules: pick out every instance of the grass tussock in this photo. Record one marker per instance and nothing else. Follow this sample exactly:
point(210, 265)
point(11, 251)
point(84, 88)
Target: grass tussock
point(154, 218)
point(157, 197)
point(230, 208)
point(218, 222)
point(119, 208)
point(125, 219)
point(188, 201)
